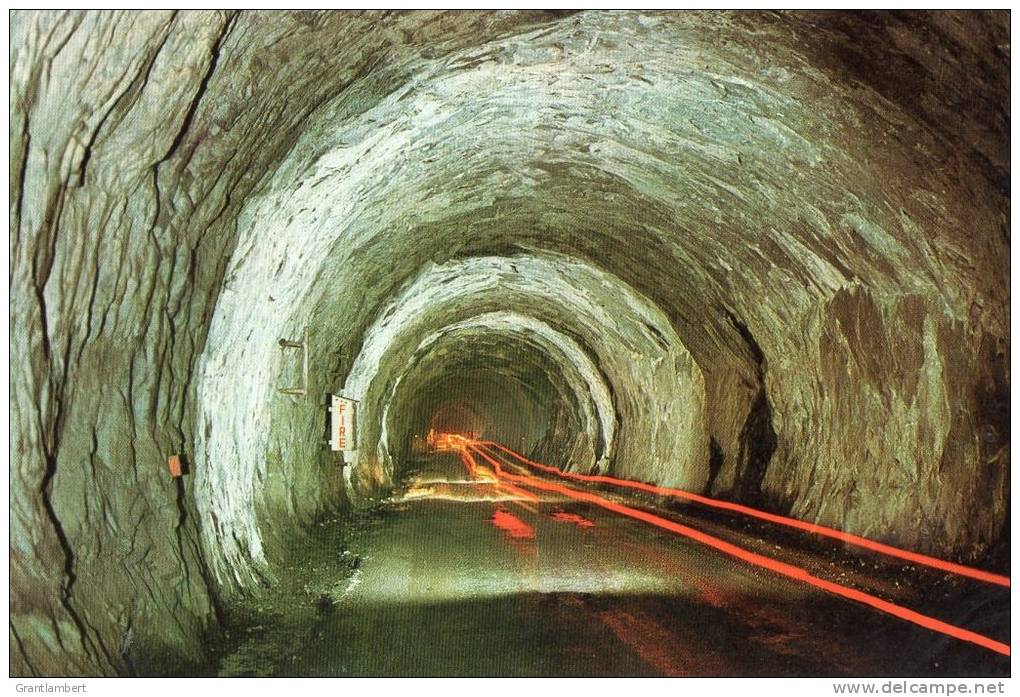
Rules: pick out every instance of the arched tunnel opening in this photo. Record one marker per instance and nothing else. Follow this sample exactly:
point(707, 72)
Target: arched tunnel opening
point(649, 323)
point(493, 387)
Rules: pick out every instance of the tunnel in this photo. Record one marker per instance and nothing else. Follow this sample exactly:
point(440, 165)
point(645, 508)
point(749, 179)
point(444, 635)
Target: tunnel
point(647, 273)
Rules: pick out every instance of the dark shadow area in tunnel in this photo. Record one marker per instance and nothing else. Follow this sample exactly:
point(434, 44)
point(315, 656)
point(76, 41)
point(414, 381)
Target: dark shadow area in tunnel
point(866, 47)
point(715, 463)
point(473, 402)
point(596, 635)
point(757, 437)
point(757, 443)
point(580, 634)
point(487, 386)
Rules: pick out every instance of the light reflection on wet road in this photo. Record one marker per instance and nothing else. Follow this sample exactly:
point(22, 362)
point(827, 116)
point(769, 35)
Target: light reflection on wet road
point(478, 577)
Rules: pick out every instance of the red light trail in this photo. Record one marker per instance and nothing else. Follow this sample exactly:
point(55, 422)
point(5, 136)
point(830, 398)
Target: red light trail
point(578, 520)
point(512, 525)
point(782, 568)
point(917, 558)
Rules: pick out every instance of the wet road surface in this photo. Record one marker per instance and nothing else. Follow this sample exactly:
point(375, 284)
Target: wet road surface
point(462, 576)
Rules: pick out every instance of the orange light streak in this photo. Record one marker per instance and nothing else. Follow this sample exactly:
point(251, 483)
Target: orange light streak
point(578, 520)
point(788, 570)
point(446, 442)
point(513, 526)
point(814, 528)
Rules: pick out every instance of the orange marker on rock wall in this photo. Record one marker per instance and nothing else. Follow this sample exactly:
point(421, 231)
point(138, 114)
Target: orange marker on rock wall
point(176, 468)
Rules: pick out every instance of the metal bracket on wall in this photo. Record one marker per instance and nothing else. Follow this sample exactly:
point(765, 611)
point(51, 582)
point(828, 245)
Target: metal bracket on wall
point(297, 392)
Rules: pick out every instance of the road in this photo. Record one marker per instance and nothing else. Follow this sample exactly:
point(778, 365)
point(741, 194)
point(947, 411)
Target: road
point(477, 576)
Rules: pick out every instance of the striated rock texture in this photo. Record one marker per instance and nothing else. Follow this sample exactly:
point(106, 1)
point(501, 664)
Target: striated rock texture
point(759, 255)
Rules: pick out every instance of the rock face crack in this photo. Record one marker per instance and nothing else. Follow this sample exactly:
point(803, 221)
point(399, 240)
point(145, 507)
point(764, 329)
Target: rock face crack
point(757, 436)
point(757, 444)
point(200, 92)
point(70, 577)
point(22, 654)
point(136, 86)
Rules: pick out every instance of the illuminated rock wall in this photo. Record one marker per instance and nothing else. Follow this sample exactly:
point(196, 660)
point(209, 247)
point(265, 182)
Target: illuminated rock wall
point(759, 255)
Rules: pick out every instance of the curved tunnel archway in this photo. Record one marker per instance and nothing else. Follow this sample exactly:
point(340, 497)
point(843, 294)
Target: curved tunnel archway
point(521, 395)
point(696, 250)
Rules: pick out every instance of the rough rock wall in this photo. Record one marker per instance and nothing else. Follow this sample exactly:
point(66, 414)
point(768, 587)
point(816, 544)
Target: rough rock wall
point(824, 235)
point(743, 192)
point(934, 417)
point(105, 556)
point(134, 137)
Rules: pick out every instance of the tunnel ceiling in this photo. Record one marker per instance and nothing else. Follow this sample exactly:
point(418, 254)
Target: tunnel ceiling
point(762, 256)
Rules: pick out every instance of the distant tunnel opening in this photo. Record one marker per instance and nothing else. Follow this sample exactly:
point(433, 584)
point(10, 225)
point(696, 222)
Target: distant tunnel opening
point(498, 386)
